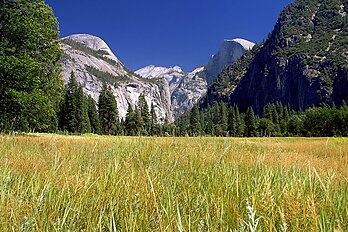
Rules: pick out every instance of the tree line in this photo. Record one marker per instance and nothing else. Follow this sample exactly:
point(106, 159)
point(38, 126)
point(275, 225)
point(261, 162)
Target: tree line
point(276, 120)
point(81, 114)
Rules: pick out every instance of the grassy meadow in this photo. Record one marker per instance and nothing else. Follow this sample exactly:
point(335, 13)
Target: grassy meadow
point(95, 183)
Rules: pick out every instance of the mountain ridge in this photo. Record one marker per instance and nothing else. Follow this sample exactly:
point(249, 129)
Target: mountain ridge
point(302, 64)
point(187, 88)
point(94, 63)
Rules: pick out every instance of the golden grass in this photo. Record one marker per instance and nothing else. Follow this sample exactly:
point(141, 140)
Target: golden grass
point(96, 183)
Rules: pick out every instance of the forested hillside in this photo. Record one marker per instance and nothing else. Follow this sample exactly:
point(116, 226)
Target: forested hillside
point(304, 61)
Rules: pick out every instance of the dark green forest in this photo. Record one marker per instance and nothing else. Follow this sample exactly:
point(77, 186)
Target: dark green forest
point(276, 120)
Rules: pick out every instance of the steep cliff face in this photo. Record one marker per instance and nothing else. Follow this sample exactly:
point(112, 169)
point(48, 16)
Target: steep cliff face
point(185, 88)
point(188, 88)
point(230, 51)
point(93, 63)
point(304, 61)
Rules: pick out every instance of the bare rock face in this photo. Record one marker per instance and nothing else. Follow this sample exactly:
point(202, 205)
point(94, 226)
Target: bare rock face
point(230, 51)
point(185, 88)
point(93, 63)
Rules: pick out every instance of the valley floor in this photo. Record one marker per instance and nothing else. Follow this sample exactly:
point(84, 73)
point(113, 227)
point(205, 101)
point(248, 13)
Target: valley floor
point(97, 183)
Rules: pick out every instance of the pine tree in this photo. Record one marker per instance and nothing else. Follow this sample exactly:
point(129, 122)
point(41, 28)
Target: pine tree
point(275, 117)
point(250, 123)
point(93, 116)
point(239, 123)
point(144, 111)
point(139, 123)
point(108, 112)
point(69, 120)
point(217, 119)
point(210, 126)
point(130, 123)
point(266, 127)
point(280, 110)
point(30, 82)
point(286, 113)
point(83, 123)
point(224, 119)
point(195, 125)
point(203, 122)
point(268, 112)
point(153, 121)
point(232, 122)
point(74, 109)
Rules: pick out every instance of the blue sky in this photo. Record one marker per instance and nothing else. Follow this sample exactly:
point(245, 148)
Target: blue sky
point(164, 32)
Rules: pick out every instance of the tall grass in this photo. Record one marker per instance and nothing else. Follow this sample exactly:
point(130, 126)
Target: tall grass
point(51, 183)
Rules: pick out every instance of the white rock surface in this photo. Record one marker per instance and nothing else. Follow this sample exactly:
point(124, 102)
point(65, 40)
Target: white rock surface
point(185, 88)
point(245, 43)
point(156, 92)
point(230, 51)
point(171, 90)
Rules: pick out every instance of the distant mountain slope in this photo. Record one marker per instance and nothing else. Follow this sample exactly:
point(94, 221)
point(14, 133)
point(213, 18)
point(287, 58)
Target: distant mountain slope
point(303, 62)
point(94, 63)
point(185, 88)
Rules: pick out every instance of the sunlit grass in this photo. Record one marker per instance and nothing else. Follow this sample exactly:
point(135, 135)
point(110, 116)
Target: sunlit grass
point(93, 183)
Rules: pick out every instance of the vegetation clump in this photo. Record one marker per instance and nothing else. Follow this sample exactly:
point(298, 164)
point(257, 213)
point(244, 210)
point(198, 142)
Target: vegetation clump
point(30, 81)
point(105, 77)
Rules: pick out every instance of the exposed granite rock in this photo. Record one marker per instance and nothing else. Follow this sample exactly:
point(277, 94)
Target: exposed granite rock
point(185, 88)
point(127, 86)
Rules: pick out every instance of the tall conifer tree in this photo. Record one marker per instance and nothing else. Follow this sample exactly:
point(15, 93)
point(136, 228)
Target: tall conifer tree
point(83, 123)
point(153, 121)
point(130, 124)
point(108, 112)
point(93, 115)
point(69, 120)
point(232, 122)
point(144, 111)
point(250, 123)
point(195, 124)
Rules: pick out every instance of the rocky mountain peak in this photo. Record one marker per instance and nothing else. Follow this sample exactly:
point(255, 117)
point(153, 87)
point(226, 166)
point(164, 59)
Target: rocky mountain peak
point(93, 42)
point(245, 43)
point(93, 63)
point(230, 51)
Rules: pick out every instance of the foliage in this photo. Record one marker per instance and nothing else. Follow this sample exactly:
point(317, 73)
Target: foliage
point(154, 127)
point(250, 123)
point(74, 109)
point(195, 124)
point(276, 120)
point(108, 112)
point(93, 116)
point(30, 83)
point(144, 112)
point(105, 77)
